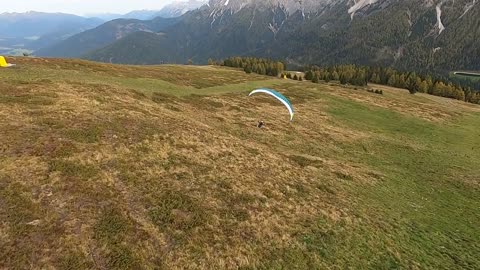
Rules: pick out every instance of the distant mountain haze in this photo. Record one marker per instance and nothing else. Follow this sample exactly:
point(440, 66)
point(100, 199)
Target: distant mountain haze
point(39, 23)
point(83, 7)
point(105, 16)
point(24, 32)
point(141, 14)
point(104, 35)
point(46, 32)
point(111, 31)
point(135, 14)
point(174, 9)
point(179, 8)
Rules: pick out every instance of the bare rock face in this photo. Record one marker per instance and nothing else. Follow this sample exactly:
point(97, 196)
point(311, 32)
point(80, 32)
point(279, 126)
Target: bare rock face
point(289, 5)
point(313, 6)
point(177, 8)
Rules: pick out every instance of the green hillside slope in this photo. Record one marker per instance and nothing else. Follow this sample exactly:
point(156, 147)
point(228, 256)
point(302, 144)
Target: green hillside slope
point(161, 167)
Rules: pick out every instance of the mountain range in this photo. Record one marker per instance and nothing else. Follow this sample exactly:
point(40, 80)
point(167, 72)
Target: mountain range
point(39, 31)
point(36, 24)
point(406, 34)
point(33, 30)
point(178, 8)
point(103, 35)
point(172, 10)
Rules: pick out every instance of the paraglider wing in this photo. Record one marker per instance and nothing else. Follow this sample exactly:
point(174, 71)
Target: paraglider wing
point(278, 96)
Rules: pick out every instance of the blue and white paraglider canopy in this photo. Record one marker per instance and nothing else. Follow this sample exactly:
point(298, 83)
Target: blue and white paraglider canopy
point(278, 96)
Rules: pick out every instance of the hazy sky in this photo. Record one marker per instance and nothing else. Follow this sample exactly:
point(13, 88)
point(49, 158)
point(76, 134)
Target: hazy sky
point(81, 7)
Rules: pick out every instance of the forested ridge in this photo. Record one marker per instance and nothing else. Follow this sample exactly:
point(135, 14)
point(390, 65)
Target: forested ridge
point(422, 83)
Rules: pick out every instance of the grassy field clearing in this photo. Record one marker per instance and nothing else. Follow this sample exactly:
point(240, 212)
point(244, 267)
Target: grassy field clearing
point(161, 167)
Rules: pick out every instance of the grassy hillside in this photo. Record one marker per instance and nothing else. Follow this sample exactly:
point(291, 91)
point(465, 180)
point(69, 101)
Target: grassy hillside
point(126, 167)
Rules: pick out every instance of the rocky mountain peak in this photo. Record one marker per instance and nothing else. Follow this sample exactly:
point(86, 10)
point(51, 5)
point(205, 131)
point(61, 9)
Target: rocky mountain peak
point(289, 5)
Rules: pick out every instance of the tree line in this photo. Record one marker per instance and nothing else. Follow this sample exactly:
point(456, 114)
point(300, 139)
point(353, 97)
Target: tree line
point(262, 66)
point(361, 76)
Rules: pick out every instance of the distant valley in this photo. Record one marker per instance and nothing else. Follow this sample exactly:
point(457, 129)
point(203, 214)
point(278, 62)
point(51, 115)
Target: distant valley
point(26, 32)
point(39, 32)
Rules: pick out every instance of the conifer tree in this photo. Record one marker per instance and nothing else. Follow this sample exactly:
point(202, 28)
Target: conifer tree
point(335, 76)
point(309, 75)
